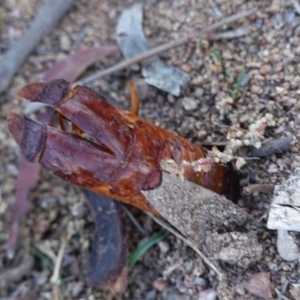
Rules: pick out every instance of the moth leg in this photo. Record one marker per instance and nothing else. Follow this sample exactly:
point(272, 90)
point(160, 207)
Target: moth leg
point(134, 99)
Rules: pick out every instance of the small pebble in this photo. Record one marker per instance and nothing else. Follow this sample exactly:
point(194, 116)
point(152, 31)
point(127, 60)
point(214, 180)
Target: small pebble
point(273, 168)
point(255, 89)
point(189, 104)
point(160, 284)
point(202, 134)
point(199, 92)
point(199, 281)
point(163, 246)
point(65, 42)
point(227, 54)
point(186, 68)
point(279, 90)
point(289, 16)
point(171, 98)
point(77, 289)
point(265, 69)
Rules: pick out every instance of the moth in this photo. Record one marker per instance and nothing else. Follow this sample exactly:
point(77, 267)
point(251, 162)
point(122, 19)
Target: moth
point(110, 151)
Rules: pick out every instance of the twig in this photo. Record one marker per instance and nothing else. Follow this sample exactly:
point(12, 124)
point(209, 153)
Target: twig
point(230, 34)
point(187, 242)
point(134, 221)
point(43, 23)
point(55, 277)
point(280, 295)
point(297, 5)
point(207, 32)
point(266, 188)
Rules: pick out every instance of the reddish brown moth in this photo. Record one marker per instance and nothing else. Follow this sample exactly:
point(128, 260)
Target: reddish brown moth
point(119, 154)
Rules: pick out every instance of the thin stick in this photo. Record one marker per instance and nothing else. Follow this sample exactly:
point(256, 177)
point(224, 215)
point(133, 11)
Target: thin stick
point(162, 48)
point(280, 295)
point(265, 188)
point(55, 277)
point(187, 242)
point(57, 295)
point(134, 221)
point(297, 5)
point(231, 34)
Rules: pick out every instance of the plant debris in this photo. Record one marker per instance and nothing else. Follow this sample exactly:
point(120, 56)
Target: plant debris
point(108, 267)
point(132, 42)
point(277, 146)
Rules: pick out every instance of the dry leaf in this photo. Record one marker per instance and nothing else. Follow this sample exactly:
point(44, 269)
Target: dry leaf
point(259, 285)
point(132, 42)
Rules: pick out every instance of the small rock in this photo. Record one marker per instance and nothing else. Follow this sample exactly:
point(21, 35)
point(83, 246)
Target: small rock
point(163, 246)
point(199, 92)
point(12, 169)
point(171, 98)
point(255, 89)
point(275, 6)
point(186, 68)
point(209, 294)
point(199, 281)
point(198, 81)
point(279, 67)
point(189, 104)
point(77, 289)
point(65, 42)
point(265, 69)
point(273, 168)
point(279, 90)
point(202, 134)
point(227, 54)
point(289, 16)
point(286, 246)
point(244, 119)
point(151, 295)
point(266, 52)
point(160, 284)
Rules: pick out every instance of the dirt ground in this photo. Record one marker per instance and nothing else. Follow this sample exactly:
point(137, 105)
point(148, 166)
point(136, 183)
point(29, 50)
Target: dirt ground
point(270, 55)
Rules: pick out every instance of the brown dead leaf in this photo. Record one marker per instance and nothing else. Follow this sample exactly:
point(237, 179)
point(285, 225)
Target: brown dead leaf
point(259, 285)
point(75, 64)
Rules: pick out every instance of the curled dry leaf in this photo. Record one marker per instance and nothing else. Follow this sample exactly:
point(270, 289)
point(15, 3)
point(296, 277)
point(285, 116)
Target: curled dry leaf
point(132, 42)
point(71, 67)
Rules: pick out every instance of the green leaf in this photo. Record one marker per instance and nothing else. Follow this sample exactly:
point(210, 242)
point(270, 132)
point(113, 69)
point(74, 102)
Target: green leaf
point(144, 247)
point(217, 55)
point(238, 85)
point(46, 262)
